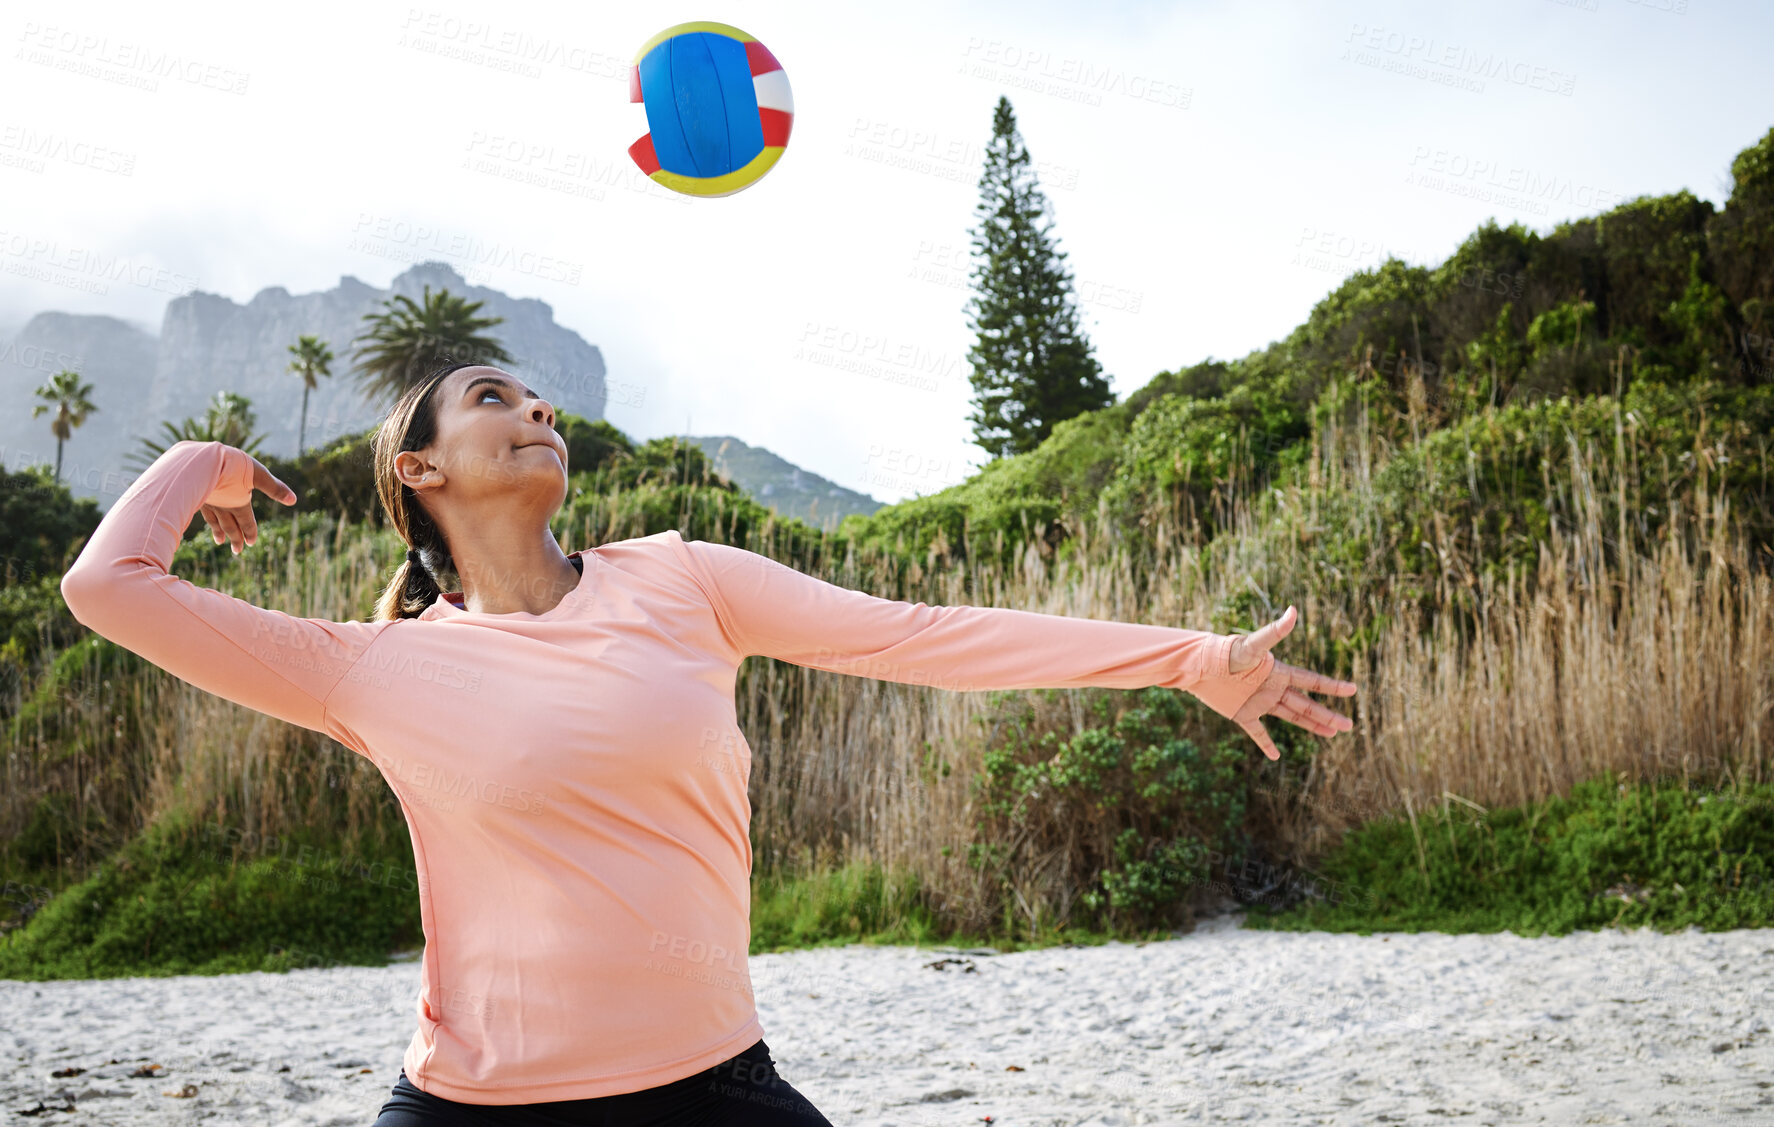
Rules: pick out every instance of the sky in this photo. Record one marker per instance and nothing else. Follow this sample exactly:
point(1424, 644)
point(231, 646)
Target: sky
point(1214, 170)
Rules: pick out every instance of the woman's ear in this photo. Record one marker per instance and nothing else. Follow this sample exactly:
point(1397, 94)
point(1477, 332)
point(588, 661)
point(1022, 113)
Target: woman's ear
point(413, 471)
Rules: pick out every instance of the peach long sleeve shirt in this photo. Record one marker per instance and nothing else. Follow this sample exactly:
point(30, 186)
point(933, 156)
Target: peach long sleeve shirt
point(574, 781)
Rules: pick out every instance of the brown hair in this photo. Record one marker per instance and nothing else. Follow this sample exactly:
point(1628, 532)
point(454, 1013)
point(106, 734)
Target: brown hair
point(411, 424)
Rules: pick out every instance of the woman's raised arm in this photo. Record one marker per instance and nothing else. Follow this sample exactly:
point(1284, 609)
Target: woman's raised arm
point(773, 610)
point(119, 588)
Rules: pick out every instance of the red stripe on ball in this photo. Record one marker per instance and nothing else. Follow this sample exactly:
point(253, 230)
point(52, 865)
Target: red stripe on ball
point(642, 152)
point(776, 125)
point(760, 58)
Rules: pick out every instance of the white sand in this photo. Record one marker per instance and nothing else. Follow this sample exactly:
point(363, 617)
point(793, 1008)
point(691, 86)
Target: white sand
point(1220, 1025)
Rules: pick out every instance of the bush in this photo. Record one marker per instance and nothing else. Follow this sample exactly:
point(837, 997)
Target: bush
point(1657, 855)
point(1121, 819)
point(1200, 454)
point(42, 526)
point(33, 618)
point(172, 901)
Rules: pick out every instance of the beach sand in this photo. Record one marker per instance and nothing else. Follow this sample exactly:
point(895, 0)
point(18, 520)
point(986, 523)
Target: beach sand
point(1220, 1025)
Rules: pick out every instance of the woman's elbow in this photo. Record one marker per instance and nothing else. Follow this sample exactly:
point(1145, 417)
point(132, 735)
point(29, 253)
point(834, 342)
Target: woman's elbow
point(79, 592)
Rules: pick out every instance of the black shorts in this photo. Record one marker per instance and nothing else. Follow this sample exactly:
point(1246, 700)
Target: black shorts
point(742, 1091)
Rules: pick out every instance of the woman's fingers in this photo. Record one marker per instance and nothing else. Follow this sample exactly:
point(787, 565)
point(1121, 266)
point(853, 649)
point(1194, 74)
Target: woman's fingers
point(1283, 693)
point(238, 525)
point(270, 486)
point(234, 525)
point(231, 529)
point(1309, 682)
point(1255, 730)
point(1248, 649)
point(218, 524)
point(1297, 708)
point(1263, 639)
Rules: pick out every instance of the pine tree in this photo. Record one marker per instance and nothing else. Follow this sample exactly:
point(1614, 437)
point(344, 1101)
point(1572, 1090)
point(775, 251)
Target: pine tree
point(1032, 366)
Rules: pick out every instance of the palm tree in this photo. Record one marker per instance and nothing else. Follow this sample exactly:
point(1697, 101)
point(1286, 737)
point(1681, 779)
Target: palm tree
point(68, 396)
point(407, 341)
point(311, 359)
point(229, 420)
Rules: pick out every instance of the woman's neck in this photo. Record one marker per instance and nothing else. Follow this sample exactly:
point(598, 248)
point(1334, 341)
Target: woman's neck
point(531, 595)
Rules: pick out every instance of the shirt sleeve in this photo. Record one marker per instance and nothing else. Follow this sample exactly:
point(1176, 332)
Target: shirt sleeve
point(119, 588)
point(769, 609)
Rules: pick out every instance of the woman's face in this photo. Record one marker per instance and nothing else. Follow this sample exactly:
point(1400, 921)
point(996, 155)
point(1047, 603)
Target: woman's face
point(495, 436)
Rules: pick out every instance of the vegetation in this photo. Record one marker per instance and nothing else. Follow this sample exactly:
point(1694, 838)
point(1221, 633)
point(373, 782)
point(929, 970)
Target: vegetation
point(1608, 854)
point(230, 419)
point(407, 339)
point(70, 399)
point(1032, 366)
point(312, 360)
point(1521, 497)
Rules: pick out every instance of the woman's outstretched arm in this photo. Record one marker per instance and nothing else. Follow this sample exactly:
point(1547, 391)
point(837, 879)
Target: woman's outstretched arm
point(773, 610)
point(119, 588)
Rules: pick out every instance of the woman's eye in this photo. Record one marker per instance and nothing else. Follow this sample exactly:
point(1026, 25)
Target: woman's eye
point(493, 392)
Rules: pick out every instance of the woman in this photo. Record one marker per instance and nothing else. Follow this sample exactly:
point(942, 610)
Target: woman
point(562, 736)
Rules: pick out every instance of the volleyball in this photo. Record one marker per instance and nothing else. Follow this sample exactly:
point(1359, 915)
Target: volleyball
point(718, 109)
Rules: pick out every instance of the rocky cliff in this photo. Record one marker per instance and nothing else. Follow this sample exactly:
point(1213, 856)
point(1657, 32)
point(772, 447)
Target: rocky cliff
point(208, 343)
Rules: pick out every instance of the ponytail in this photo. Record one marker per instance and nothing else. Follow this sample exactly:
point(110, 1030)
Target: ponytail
point(411, 425)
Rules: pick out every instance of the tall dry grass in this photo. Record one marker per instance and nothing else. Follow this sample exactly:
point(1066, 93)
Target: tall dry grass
point(124, 752)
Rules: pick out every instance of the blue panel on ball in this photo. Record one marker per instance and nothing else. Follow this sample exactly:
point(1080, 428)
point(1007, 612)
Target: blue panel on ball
point(745, 135)
point(702, 112)
point(662, 112)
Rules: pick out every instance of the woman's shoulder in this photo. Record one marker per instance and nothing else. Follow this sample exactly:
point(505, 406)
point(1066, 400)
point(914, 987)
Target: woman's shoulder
point(667, 558)
point(662, 545)
point(652, 555)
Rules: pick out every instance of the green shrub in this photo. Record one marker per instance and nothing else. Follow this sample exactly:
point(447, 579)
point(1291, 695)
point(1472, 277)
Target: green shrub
point(42, 526)
point(1133, 803)
point(174, 901)
point(1656, 855)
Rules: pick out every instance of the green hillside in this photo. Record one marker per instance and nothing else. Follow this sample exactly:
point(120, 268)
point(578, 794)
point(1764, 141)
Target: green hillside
point(781, 485)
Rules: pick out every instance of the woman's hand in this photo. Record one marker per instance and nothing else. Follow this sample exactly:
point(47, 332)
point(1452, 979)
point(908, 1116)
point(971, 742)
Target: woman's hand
point(237, 523)
point(1283, 692)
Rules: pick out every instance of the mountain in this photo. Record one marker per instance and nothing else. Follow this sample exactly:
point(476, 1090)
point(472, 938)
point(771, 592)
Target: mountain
point(781, 485)
point(209, 343)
